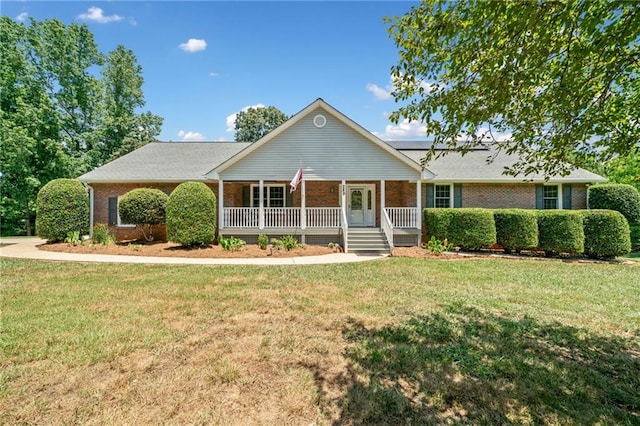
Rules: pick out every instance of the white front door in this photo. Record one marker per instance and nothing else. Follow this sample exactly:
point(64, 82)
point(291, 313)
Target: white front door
point(361, 205)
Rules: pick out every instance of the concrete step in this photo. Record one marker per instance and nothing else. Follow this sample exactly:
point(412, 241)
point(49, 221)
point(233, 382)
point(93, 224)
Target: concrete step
point(367, 240)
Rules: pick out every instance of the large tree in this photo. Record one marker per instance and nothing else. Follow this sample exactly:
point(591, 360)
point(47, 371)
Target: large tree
point(58, 118)
point(254, 123)
point(555, 80)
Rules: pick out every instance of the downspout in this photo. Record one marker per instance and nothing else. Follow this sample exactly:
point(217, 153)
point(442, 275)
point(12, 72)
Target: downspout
point(91, 203)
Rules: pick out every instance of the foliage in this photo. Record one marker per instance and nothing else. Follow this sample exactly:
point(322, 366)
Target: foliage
point(436, 222)
point(516, 229)
point(254, 123)
point(277, 243)
point(143, 207)
point(101, 235)
point(619, 197)
point(134, 247)
point(73, 238)
point(471, 229)
point(560, 231)
point(624, 169)
point(635, 236)
point(62, 206)
point(57, 118)
point(191, 214)
point(606, 234)
point(558, 78)
point(289, 242)
point(436, 246)
point(263, 241)
point(231, 243)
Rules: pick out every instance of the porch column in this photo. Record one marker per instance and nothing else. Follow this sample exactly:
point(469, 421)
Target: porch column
point(382, 198)
point(220, 204)
point(303, 206)
point(418, 202)
point(343, 194)
point(261, 206)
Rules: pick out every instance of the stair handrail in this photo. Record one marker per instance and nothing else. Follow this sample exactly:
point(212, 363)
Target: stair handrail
point(387, 229)
point(345, 228)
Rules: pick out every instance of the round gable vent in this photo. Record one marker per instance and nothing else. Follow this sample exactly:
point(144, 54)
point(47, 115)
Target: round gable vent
point(319, 120)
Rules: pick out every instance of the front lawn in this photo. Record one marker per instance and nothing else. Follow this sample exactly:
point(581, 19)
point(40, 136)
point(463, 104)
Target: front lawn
point(398, 341)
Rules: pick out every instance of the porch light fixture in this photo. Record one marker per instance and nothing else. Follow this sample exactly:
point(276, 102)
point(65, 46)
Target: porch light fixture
point(319, 121)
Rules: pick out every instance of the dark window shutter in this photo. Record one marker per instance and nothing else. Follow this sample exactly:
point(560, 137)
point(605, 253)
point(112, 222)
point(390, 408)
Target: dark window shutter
point(289, 196)
point(113, 210)
point(457, 195)
point(539, 197)
point(431, 201)
point(566, 197)
point(246, 196)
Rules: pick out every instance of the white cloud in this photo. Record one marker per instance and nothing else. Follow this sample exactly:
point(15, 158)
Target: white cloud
point(214, 74)
point(190, 136)
point(96, 14)
point(231, 119)
point(194, 45)
point(379, 92)
point(404, 130)
point(22, 17)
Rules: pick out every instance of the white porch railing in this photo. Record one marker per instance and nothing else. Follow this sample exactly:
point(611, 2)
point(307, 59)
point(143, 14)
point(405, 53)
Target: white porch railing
point(281, 217)
point(403, 217)
point(323, 217)
point(241, 217)
point(387, 228)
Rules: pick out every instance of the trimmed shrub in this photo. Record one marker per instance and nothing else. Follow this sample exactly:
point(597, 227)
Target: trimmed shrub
point(560, 231)
point(62, 207)
point(436, 223)
point(635, 236)
point(471, 229)
point(191, 214)
point(619, 197)
point(516, 229)
point(101, 235)
point(143, 207)
point(606, 234)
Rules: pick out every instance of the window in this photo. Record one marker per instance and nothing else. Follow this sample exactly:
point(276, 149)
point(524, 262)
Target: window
point(550, 197)
point(114, 213)
point(274, 195)
point(442, 197)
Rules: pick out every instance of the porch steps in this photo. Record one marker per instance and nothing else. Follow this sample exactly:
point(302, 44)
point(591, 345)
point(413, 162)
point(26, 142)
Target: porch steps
point(366, 240)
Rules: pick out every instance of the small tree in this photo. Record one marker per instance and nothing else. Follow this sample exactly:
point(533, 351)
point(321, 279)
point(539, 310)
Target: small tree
point(144, 207)
point(253, 123)
point(191, 214)
point(62, 206)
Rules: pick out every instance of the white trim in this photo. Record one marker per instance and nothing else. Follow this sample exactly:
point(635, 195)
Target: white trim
point(268, 199)
point(559, 197)
point(418, 204)
point(91, 207)
point(451, 194)
point(366, 187)
point(220, 204)
point(319, 121)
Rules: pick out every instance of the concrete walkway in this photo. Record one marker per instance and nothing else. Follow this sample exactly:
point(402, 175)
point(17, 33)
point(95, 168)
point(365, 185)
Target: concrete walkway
point(26, 248)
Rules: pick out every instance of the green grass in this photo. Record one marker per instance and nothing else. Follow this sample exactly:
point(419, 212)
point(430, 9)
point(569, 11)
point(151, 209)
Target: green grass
point(399, 341)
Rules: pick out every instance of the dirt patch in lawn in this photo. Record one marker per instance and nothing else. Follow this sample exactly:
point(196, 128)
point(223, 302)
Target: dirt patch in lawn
point(165, 249)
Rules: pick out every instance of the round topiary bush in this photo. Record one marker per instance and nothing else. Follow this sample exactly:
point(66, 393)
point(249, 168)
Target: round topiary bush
point(436, 222)
point(606, 234)
point(471, 228)
point(62, 206)
point(619, 197)
point(560, 231)
point(516, 229)
point(191, 214)
point(143, 207)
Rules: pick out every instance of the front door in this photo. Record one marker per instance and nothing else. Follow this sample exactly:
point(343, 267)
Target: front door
point(360, 205)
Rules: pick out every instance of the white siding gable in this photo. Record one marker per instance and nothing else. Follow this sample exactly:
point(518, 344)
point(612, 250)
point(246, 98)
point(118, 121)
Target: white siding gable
point(333, 152)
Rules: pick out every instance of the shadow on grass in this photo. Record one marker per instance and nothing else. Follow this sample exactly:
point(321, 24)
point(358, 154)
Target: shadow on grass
point(467, 366)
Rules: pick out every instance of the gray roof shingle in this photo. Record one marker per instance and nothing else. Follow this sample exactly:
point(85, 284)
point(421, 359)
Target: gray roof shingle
point(166, 162)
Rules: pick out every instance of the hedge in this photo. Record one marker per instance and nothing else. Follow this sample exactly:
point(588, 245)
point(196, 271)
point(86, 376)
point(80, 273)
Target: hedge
point(467, 228)
point(62, 206)
point(606, 234)
point(560, 231)
point(516, 229)
point(143, 207)
point(619, 197)
point(191, 214)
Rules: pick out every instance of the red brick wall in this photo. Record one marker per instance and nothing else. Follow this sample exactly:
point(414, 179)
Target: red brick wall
point(499, 196)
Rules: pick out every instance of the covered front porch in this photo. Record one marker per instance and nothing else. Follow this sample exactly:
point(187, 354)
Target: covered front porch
point(321, 212)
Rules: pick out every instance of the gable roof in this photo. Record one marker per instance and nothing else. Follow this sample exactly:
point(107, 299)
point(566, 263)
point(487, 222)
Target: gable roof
point(475, 166)
point(318, 103)
point(166, 162)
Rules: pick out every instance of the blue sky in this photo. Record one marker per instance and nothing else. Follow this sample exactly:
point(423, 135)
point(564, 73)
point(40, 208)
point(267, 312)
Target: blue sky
point(203, 61)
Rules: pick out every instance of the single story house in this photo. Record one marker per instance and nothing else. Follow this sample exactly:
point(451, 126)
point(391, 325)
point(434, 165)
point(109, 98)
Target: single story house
point(355, 189)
